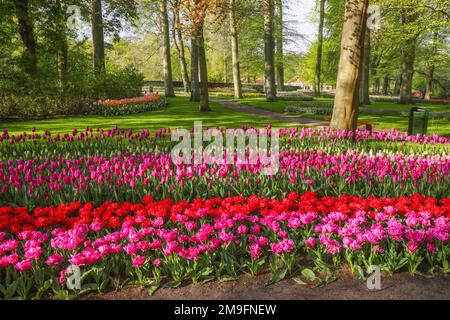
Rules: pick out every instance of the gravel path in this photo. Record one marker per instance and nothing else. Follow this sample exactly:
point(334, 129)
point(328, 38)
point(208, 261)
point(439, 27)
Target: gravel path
point(307, 122)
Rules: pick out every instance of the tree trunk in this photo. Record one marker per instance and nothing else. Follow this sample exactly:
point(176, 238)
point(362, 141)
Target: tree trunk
point(429, 90)
point(63, 49)
point(270, 87)
point(26, 31)
point(430, 69)
point(235, 52)
point(376, 86)
point(408, 58)
point(397, 84)
point(364, 96)
point(179, 46)
point(407, 72)
point(167, 63)
point(98, 38)
point(225, 67)
point(317, 84)
point(204, 98)
point(195, 81)
point(280, 54)
point(386, 86)
point(346, 103)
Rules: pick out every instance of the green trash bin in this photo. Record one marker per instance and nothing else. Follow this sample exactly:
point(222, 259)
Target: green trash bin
point(418, 120)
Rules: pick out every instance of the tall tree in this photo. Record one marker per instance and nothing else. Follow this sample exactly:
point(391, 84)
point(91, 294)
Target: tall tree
point(203, 68)
point(346, 103)
point(98, 37)
point(386, 85)
point(26, 31)
point(235, 51)
point(317, 82)
point(167, 62)
point(270, 86)
point(279, 45)
point(364, 86)
point(408, 58)
point(178, 40)
point(195, 81)
point(62, 43)
point(431, 65)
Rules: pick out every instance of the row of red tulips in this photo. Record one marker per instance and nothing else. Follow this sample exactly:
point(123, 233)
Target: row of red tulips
point(111, 214)
point(203, 240)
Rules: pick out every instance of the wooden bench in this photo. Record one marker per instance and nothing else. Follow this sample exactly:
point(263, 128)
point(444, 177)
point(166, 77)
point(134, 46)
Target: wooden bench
point(368, 125)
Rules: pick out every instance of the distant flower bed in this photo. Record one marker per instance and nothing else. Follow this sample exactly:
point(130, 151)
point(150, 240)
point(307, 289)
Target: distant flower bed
point(439, 101)
point(145, 103)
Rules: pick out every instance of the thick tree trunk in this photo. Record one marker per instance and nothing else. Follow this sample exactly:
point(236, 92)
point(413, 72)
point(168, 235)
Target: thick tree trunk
point(386, 86)
point(364, 96)
point(270, 86)
point(98, 38)
point(195, 81)
point(63, 49)
point(280, 39)
point(204, 97)
point(167, 62)
point(235, 52)
point(26, 31)
point(346, 103)
point(408, 58)
point(179, 46)
point(317, 83)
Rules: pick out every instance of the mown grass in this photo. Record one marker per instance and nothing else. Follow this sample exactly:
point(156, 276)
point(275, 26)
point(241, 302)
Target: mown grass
point(387, 121)
point(180, 113)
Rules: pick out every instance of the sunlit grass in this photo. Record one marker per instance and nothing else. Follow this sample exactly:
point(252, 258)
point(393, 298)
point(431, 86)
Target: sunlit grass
point(180, 113)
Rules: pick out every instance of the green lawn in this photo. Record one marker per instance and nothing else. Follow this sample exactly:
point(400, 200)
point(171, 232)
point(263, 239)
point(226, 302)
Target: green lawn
point(180, 113)
point(399, 122)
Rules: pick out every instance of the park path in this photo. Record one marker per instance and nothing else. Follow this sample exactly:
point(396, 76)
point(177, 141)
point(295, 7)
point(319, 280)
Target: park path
point(272, 115)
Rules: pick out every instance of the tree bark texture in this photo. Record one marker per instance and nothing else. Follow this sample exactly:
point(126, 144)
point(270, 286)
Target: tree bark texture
point(346, 104)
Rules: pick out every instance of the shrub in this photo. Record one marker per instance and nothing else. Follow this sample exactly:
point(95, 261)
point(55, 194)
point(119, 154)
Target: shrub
point(385, 99)
point(16, 107)
point(293, 96)
point(311, 107)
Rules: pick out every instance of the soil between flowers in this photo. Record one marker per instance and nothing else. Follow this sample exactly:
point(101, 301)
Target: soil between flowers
point(346, 287)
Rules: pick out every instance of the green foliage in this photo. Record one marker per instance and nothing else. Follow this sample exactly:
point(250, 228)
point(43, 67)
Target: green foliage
point(313, 108)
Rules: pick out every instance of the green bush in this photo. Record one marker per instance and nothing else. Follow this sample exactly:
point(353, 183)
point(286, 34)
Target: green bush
point(311, 107)
point(295, 98)
point(385, 99)
point(44, 98)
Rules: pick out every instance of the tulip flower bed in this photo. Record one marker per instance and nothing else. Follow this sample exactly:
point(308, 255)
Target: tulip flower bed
point(101, 142)
point(146, 103)
point(113, 203)
point(153, 243)
point(129, 177)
